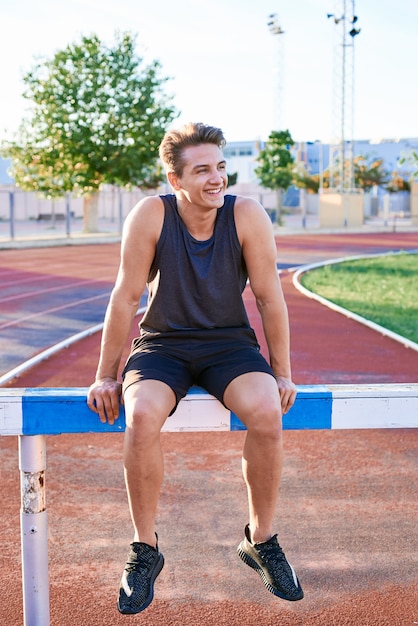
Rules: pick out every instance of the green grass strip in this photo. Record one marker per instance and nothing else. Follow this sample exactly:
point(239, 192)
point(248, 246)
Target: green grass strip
point(382, 289)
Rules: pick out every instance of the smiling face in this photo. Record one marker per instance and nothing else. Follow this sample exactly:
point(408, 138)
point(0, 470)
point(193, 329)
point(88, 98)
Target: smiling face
point(203, 180)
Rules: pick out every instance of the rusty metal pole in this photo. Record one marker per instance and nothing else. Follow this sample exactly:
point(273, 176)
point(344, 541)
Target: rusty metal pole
point(34, 530)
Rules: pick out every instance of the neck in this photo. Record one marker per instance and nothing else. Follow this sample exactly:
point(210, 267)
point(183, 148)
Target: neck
point(199, 222)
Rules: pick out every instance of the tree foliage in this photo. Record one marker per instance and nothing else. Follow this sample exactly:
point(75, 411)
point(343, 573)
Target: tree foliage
point(366, 175)
point(276, 162)
point(411, 158)
point(369, 174)
point(97, 116)
point(398, 183)
point(276, 169)
point(305, 180)
point(232, 179)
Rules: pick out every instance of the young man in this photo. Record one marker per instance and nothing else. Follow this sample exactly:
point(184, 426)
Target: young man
point(194, 250)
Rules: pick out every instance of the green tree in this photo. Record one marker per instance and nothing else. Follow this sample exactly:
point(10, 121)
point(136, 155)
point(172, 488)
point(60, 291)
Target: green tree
point(97, 117)
point(366, 175)
point(410, 158)
point(369, 174)
point(398, 183)
point(276, 169)
point(304, 180)
point(232, 179)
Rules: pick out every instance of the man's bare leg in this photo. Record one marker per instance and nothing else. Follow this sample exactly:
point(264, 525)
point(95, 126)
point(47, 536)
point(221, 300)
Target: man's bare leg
point(254, 398)
point(147, 405)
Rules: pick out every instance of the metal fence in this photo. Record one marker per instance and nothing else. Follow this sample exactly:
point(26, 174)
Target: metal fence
point(24, 214)
point(28, 215)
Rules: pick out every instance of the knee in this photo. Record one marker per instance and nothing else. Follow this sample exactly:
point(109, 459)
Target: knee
point(143, 421)
point(264, 418)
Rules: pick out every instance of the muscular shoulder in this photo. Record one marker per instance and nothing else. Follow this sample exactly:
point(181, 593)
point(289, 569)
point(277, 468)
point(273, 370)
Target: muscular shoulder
point(149, 209)
point(251, 220)
point(145, 219)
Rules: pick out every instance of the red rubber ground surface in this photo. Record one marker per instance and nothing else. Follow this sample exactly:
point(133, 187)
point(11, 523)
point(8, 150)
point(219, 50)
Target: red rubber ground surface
point(347, 515)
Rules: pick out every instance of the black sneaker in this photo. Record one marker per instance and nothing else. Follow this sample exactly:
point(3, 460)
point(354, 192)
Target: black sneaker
point(137, 585)
point(269, 561)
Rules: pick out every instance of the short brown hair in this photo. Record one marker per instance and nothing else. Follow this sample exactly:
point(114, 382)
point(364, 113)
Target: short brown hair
point(192, 134)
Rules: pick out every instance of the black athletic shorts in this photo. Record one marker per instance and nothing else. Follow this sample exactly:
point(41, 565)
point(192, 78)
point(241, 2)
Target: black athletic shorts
point(208, 358)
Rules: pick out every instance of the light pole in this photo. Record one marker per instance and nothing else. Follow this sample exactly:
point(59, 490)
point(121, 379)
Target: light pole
point(342, 149)
point(276, 30)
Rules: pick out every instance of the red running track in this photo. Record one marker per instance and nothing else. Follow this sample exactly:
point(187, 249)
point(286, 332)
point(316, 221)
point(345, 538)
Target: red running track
point(347, 512)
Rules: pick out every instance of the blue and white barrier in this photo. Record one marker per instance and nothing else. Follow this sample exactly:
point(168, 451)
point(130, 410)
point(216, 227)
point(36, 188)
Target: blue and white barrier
point(31, 414)
point(44, 411)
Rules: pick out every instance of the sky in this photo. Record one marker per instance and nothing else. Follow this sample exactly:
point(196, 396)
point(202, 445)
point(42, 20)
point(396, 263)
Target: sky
point(227, 69)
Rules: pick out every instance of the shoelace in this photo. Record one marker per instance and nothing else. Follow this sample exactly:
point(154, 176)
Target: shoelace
point(274, 557)
point(271, 551)
point(137, 568)
point(139, 561)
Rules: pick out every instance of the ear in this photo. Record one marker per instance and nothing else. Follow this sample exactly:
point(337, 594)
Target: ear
point(173, 180)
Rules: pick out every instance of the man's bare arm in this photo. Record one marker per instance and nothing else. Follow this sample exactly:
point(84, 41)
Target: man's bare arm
point(259, 249)
point(141, 232)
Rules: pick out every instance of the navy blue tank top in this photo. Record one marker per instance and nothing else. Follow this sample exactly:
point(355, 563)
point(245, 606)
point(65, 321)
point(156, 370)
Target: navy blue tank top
point(196, 284)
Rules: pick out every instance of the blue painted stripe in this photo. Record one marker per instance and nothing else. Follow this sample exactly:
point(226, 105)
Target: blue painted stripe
point(236, 423)
point(312, 410)
point(196, 390)
point(40, 415)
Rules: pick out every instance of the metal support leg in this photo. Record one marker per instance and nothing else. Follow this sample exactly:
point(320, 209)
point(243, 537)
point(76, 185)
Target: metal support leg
point(34, 530)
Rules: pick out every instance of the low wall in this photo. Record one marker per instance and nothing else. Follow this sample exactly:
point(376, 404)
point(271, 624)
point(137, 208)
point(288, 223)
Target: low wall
point(337, 210)
point(414, 203)
point(31, 206)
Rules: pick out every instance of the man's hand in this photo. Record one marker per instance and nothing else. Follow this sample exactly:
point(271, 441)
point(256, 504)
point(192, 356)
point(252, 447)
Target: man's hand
point(103, 398)
point(287, 391)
